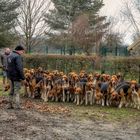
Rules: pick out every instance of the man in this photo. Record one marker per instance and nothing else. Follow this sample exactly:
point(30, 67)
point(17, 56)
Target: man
point(15, 75)
point(4, 64)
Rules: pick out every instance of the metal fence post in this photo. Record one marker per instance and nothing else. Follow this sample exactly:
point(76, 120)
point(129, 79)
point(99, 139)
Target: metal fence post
point(46, 49)
point(139, 73)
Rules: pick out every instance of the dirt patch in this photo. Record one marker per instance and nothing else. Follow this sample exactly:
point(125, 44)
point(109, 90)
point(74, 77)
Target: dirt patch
point(60, 122)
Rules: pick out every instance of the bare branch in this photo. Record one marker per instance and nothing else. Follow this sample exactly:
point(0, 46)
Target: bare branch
point(131, 14)
point(30, 21)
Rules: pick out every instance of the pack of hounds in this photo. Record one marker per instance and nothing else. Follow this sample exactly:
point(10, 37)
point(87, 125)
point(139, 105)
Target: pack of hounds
point(81, 88)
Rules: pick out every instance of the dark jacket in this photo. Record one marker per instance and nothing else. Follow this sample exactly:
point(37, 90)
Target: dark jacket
point(15, 67)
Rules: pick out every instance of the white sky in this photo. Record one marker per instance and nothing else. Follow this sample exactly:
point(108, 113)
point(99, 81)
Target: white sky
point(112, 9)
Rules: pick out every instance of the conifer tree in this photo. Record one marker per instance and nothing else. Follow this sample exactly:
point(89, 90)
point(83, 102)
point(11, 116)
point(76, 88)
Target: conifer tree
point(65, 14)
point(8, 15)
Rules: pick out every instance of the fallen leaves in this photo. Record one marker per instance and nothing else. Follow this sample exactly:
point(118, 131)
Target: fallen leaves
point(28, 104)
point(38, 106)
point(3, 101)
point(43, 107)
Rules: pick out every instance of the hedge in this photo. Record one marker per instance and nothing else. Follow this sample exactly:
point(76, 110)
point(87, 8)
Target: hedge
point(63, 63)
point(128, 66)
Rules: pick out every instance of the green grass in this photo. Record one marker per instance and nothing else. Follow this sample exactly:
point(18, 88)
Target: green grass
point(97, 112)
point(2, 92)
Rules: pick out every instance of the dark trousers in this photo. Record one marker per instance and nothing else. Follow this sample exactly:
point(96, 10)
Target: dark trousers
point(14, 95)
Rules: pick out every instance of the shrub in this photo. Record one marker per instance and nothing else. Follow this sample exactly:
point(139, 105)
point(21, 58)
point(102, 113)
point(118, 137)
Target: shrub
point(61, 62)
point(128, 66)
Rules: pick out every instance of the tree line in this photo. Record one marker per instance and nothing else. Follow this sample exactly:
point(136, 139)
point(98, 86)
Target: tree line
point(68, 24)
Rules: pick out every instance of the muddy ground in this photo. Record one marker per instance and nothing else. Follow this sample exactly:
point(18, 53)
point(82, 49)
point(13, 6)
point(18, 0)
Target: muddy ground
point(57, 121)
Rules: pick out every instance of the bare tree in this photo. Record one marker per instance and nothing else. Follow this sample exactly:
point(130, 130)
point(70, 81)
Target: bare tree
point(113, 37)
point(30, 22)
point(80, 33)
point(87, 36)
point(131, 16)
